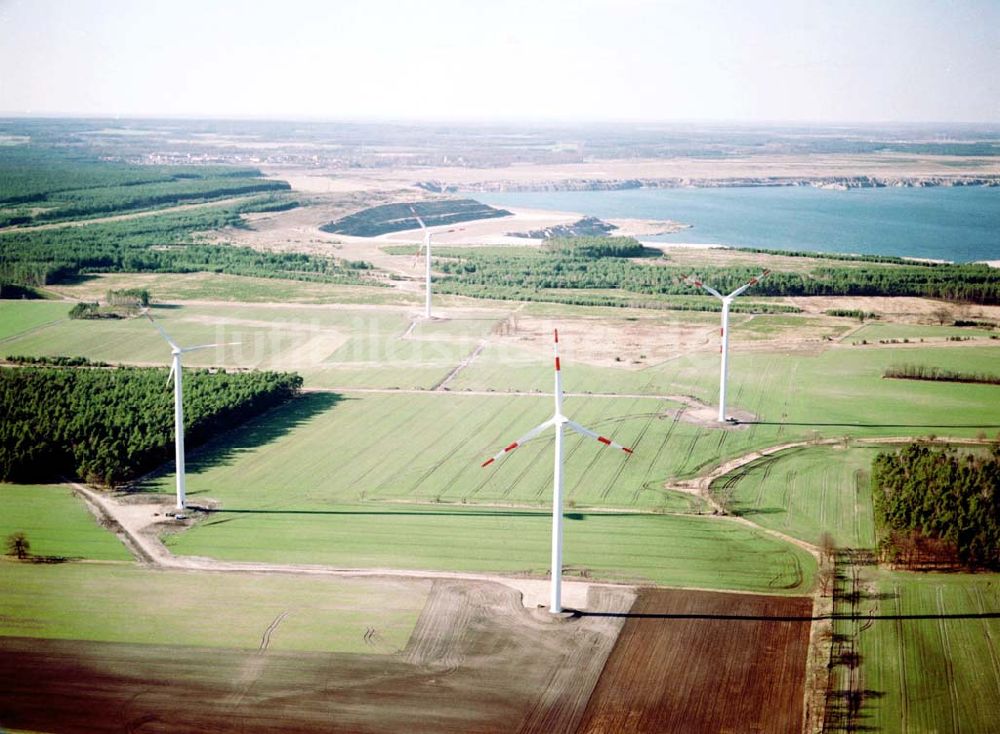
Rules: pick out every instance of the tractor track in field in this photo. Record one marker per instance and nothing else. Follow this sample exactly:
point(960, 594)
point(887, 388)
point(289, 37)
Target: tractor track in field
point(621, 466)
point(489, 477)
point(373, 446)
point(434, 466)
point(466, 361)
point(265, 639)
point(953, 696)
point(27, 332)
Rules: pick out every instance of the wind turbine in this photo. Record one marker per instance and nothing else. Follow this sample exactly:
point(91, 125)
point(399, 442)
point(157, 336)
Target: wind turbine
point(175, 372)
point(559, 422)
point(427, 261)
point(724, 347)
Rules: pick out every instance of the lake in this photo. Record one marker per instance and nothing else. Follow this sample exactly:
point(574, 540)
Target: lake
point(943, 223)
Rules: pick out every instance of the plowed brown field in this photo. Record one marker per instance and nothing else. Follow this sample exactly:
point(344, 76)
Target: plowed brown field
point(692, 661)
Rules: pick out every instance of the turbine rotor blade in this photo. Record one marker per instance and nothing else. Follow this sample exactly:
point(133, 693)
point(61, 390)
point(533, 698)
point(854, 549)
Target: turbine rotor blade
point(419, 220)
point(692, 280)
point(170, 374)
point(185, 350)
point(606, 441)
point(163, 333)
point(522, 440)
point(753, 281)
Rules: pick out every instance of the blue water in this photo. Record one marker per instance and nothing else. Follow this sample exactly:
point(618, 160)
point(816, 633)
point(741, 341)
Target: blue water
point(960, 224)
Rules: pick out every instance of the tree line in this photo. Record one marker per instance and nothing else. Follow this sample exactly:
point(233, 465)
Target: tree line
point(594, 246)
point(936, 506)
point(49, 176)
point(166, 243)
point(85, 203)
point(613, 266)
point(108, 426)
point(937, 374)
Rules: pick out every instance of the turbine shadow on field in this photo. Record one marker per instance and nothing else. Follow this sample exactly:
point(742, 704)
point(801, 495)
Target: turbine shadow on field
point(787, 618)
point(260, 431)
point(409, 513)
point(74, 279)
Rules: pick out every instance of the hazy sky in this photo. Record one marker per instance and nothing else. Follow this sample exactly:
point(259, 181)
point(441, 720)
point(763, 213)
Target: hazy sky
point(791, 60)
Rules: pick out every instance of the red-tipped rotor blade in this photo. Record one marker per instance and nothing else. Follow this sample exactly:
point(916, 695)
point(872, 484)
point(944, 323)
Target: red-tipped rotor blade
point(603, 439)
point(519, 442)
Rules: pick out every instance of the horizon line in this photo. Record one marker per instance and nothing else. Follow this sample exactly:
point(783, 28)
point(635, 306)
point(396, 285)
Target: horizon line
point(484, 120)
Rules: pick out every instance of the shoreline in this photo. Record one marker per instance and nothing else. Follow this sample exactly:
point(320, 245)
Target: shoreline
point(826, 183)
point(651, 233)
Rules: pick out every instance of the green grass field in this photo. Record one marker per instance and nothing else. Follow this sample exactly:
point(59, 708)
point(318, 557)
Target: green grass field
point(834, 392)
point(343, 347)
point(119, 603)
point(168, 287)
point(914, 332)
point(805, 492)
point(310, 460)
point(19, 317)
point(647, 548)
point(56, 523)
point(930, 654)
point(325, 449)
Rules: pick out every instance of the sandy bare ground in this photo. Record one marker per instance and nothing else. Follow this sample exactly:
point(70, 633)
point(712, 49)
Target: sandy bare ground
point(789, 165)
point(897, 309)
point(612, 342)
point(499, 231)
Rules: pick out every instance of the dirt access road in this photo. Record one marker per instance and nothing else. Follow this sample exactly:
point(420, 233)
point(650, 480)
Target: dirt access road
point(482, 657)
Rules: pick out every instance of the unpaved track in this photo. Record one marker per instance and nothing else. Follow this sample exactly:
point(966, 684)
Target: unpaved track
point(701, 486)
point(140, 524)
point(469, 359)
point(480, 659)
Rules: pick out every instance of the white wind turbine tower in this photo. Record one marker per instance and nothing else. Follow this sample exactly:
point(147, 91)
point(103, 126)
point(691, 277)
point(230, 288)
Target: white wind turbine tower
point(427, 261)
point(175, 372)
point(559, 422)
point(724, 347)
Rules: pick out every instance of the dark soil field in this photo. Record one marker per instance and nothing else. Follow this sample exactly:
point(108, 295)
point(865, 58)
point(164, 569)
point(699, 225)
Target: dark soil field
point(478, 661)
point(692, 661)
